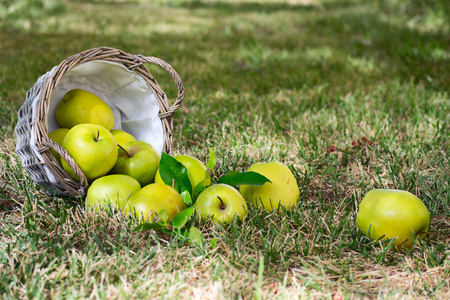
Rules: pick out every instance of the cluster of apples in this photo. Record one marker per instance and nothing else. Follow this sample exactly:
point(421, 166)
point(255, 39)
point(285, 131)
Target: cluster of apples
point(124, 172)
point(116, 165)
point(86, 133)
point(221, 202)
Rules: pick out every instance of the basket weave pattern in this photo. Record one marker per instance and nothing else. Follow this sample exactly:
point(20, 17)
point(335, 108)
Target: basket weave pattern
point(35, 148)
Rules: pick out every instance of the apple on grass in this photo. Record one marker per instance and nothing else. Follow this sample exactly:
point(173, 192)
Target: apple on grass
point(79, 106)
point(93, 148)
point(139, 160)
point(221, 203)
point(122, 137)
point(389, 213)
point(282, 190)
point(152, 199)
point(196, 171)
point(111, 190)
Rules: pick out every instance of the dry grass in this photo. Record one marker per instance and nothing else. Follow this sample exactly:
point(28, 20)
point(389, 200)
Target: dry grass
point(308, 259)
point(351, 95)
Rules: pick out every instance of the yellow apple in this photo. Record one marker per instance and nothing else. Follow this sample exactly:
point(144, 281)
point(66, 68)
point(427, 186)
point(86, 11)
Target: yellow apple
point(196, 171)
point(122, 137)
point(139, 160)
point(111, 189)
point(388, 213)
point(283, 189)
point(152, 199)
point(221, 203)
point(80, 106)
point(93, 148)
point(58, 136)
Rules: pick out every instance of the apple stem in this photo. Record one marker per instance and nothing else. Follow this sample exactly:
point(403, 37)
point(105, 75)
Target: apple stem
point(124, 150)
point(98, 136)
point(222, 206)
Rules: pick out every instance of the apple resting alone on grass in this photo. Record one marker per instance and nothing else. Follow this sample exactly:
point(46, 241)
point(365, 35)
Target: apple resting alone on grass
point(388, 213)
point(139, 160)
point(196, 171)
point(122, 137)
point(152, 199)
point(221, 203)
point(282, 189)
point(111, 190)
point(93, 148)
point(80, 106)
point(58, 136)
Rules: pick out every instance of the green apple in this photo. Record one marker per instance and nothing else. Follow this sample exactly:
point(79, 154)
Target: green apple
point(282, 190)
point(152, 199)
point(122, 137)
point(388, 213)
point(80, 106)
point(93, 148)
point(196, 171)
point(221, 203)
point(58, 136)
point(111, 189)
point(139, 160)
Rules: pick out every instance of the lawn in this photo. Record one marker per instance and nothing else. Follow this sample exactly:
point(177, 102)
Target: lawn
point(352, 95)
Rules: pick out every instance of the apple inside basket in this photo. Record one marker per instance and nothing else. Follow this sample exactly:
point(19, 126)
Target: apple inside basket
point(133, 103)
point(139, 105)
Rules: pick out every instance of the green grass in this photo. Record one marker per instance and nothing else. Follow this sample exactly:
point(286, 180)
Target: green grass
point(265, 80)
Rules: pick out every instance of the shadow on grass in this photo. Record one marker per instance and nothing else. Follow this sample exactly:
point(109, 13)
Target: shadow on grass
point(393, 48)
point(243, 6)
point(343, 45)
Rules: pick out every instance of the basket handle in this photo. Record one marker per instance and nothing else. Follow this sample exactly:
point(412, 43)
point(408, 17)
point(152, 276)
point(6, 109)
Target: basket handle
point(140, 59)
point(70, 161)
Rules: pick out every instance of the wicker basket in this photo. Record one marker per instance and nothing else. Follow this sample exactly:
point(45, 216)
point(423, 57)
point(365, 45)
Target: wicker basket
point(36, 116)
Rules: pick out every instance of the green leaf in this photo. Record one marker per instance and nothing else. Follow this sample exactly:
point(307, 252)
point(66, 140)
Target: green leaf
point(235, 178)
point(212, 159)
point(186, 198)
point(200, 187)
point(183, 217)
point(182, 233)
point(196, 236)
point(172, 171)
point(149, 226)
point(163, 215)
